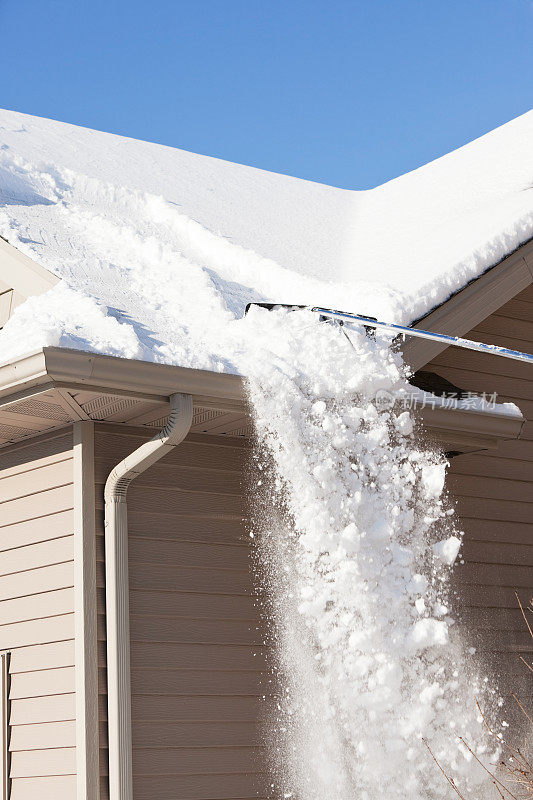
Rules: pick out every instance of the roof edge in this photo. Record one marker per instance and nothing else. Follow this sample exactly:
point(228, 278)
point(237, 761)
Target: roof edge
point(78, 369)
point(75, 370)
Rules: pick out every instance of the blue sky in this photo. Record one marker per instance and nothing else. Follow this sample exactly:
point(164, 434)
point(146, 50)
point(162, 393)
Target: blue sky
point(347, 93)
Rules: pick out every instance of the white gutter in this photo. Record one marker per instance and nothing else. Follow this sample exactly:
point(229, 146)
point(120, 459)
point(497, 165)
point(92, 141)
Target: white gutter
point(117, 589)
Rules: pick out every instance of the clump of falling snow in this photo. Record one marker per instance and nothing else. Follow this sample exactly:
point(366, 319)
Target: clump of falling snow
point(357, 560)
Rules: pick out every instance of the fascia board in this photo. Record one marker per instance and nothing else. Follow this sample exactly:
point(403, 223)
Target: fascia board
point(79, 369)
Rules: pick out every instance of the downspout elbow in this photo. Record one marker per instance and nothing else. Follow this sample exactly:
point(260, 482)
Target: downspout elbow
point(117, 589)
point(176, 429)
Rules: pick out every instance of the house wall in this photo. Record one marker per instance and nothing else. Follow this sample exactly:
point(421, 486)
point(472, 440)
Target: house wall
point(195, 645)
point(494, 494)
point(37, 614)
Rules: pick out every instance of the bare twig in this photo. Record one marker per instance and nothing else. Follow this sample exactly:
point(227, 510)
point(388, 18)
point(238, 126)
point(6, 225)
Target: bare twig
point(524, 615)
point(482, 765)
point(515, 768)
point(521, 707)
point(512, 750)
point(525, 662)
point(498, 790)
point(448, 778)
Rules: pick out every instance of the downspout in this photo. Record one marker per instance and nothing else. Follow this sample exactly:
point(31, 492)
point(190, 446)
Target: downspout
point(117, 589)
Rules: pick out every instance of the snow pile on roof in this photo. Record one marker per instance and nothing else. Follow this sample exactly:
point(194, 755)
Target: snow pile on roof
point(160, 249)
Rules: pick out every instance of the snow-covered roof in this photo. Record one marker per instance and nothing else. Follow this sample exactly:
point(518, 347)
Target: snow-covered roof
point(160, 249)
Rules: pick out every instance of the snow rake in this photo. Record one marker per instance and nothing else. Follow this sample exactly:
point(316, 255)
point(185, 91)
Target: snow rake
point(371, 324)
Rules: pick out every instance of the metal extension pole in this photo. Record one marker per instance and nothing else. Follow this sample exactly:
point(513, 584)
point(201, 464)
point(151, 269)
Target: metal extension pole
point(454, 341)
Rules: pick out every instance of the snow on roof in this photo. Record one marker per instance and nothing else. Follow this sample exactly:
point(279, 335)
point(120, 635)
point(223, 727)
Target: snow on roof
point(160, 249)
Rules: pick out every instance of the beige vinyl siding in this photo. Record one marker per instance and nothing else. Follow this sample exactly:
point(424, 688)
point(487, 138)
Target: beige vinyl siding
point(37, 614)
point(493, 491)
point(196, 653)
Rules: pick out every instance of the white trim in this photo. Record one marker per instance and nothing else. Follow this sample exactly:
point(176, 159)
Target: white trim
point(85, 619)
point(76, 369)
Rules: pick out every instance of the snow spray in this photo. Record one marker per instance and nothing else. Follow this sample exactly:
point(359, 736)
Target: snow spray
point(355, 547)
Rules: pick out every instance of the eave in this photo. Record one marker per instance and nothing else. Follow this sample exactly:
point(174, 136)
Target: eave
point(53, 387)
